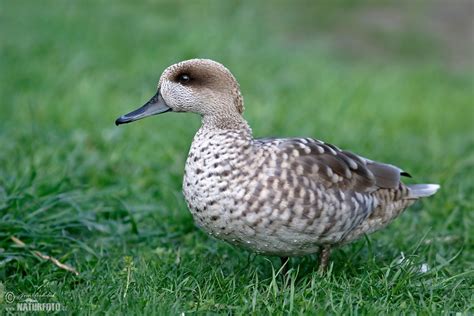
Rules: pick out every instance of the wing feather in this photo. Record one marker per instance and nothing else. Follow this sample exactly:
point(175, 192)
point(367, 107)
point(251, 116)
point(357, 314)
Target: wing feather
point(336, 168)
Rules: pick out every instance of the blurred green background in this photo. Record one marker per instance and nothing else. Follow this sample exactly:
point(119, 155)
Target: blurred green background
point(390, 80)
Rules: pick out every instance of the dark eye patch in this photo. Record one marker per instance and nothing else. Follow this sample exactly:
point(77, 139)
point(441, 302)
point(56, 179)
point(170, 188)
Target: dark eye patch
point(189, 76)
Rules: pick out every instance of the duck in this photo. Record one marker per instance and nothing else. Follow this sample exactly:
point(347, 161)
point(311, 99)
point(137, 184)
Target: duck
point(274, 196)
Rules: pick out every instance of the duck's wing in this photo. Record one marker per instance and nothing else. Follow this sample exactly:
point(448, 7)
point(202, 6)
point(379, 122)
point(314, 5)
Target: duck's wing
point(335, 167)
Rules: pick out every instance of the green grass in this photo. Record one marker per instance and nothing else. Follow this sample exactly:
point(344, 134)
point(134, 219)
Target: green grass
point(108, 200)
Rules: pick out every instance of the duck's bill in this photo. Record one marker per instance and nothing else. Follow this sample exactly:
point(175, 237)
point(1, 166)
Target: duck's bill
point(155, 106)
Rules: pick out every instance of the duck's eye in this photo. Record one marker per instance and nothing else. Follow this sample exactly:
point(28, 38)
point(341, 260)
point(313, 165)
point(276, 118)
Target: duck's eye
point(184, 78)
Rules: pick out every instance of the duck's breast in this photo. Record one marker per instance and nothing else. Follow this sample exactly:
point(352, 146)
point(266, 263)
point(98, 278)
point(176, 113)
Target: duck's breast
point(213, 168)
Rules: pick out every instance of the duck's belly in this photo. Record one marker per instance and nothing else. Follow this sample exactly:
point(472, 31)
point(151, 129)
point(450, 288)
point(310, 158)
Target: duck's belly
point(268, 224)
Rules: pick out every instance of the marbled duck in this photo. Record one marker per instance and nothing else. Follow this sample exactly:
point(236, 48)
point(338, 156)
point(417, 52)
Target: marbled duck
point(275, 196)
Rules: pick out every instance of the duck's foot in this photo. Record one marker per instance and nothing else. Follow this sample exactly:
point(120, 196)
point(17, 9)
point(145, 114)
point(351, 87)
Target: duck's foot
point(324, 259)
point(284, 264)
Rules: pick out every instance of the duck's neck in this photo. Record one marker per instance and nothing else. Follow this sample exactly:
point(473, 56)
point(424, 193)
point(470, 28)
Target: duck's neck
point(229, 121)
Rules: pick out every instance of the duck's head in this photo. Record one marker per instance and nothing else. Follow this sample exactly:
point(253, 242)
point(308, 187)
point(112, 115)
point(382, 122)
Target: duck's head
point(201, 86)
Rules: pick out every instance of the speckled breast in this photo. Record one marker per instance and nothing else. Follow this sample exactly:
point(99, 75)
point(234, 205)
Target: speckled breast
point(211, 180)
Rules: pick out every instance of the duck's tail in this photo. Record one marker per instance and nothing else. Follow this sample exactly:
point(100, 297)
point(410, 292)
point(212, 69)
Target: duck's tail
point(422, 190)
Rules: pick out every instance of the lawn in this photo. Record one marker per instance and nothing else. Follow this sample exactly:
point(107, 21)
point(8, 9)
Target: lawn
point(107, 200)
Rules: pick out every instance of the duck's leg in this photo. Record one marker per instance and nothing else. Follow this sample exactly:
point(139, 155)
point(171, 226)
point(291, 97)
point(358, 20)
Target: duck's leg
point(324, 258)
point(284, 264)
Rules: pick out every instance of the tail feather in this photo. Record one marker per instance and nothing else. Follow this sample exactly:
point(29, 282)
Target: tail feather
point(422, 190)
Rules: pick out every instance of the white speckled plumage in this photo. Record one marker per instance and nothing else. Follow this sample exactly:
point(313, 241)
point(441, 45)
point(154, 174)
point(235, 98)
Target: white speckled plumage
point(276, 196)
